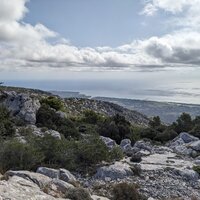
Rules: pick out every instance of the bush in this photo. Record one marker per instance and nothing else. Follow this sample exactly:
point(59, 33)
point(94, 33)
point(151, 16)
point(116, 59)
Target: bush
point(116, 128)
point(46, 117)
point(91, 117)
point(116, 153)
point(78, 194)
point(183, 123)
point(6, 125)
point(196, 169)
point(126, 191)
point(53, 102)
point(155, 122)
point(196, 131)
point(17, 156)
point(168, 134)
point(149, 133)
point(136, 158)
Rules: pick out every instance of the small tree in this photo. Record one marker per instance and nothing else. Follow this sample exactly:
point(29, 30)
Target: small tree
point(155, 122)
point(183, 123)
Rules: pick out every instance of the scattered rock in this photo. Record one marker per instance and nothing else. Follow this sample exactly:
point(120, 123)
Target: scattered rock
point(61, 186)
point(95, 197)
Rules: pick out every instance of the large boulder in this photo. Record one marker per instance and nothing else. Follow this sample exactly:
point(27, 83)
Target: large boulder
point(116, 171)
point(108, 142)
point(142, 145)
point(21, 105)
point(18, 188)
point(39, 179)
point(185, 144)
point(61, 186)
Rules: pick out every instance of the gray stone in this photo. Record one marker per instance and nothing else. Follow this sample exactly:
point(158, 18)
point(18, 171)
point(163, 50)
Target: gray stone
point(113, 172)
point(52, 173)
point(125, 145)
point(187, 138)
point(188, 174)
point(143, 145)
point(66, 175)
point(21, 105)
point(95, 197)
point(61, 186)
point(18, 188)
point(39, 179)
point(108, 142)
point(195, 145)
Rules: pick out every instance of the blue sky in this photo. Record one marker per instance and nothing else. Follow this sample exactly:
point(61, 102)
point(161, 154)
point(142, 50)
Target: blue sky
point(154, 44)
point(96, 23)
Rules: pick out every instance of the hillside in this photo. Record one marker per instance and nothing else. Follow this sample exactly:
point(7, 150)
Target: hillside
point(76, 106)
point(168, 112)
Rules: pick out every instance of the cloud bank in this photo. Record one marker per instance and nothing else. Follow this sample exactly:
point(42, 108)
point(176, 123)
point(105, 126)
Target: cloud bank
point(24, 45)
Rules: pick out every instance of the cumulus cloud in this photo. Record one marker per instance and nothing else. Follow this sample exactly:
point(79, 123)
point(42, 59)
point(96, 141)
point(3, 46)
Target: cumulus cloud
point(23, 45)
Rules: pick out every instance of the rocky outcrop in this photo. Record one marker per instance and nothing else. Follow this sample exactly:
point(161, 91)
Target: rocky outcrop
point(38, 179)
point(185, 144)
point(18, 188)
point(21, 105)
point(36, 131)
point(61, 174)
point(113, 172)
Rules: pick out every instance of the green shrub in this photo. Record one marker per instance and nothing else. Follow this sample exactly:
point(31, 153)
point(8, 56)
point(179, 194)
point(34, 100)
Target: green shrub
point(78, 194)
point(197, 169)
point(168, 134)
point(126, 191)
point(155, 122)
point(116, 154)
point(149, 133)
point(53, 102)
point(183, 123)
point(46, 117)
point(116, 128)
point(6, 125)
point(196, 131)
point(91, 117)
point(18, 156)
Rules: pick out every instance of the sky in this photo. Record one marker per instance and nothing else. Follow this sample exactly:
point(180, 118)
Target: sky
point(154, 44)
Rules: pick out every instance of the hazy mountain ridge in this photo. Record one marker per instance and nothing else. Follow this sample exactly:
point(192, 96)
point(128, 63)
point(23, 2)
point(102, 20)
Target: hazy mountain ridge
point(168, 111)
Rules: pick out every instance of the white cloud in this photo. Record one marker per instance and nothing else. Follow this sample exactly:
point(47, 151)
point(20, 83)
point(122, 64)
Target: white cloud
point(23, 45)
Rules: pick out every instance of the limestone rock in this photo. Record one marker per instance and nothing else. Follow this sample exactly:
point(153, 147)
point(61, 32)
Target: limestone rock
point(66, 175)
point(125, 145)
point(116, 171)
point(21, 105)
point(109, 142)
point(52, 173)
point(18, 188)
point(39, 179)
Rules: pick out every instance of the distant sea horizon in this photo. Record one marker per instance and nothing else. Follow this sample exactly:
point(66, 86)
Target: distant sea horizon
point(113, 88)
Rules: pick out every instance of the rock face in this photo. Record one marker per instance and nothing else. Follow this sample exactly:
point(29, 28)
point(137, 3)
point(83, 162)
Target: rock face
point(125, 145)
point(21, 105)
point(113, 172)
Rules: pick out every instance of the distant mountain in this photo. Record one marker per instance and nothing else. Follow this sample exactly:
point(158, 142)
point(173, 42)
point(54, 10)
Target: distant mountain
point(68, 94)
point(168, 112)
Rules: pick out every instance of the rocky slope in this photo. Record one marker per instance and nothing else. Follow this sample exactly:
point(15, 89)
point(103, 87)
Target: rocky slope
point(76, 106)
